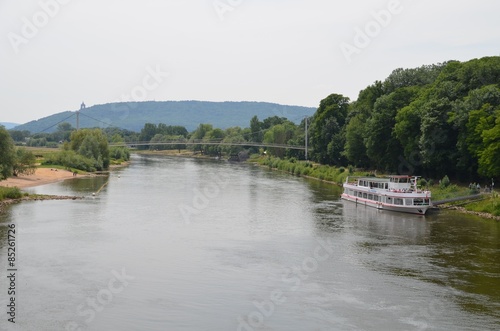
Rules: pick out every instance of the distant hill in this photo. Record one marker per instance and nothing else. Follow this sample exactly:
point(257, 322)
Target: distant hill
point(9, 125)
point(133, 115)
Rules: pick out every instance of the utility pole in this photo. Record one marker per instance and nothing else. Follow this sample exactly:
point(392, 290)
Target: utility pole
point(82, 106)
point(306, 137)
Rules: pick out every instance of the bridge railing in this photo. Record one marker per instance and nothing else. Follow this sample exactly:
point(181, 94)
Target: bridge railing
point(219, 142)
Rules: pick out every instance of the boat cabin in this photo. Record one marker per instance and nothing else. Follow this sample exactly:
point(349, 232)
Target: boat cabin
point(393, 183)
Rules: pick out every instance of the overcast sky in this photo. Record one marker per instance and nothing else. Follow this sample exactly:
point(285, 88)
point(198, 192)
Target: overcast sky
point(57, 53)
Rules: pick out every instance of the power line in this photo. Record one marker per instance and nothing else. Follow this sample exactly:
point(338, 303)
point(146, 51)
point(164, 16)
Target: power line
point(95, 119)
point(108, 124)
point(50, 127)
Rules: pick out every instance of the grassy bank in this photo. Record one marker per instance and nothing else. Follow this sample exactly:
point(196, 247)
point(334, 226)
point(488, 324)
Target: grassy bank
point(450, 191)
point(10, 193)
point(490, 202)
point(309, 169)
point(490, 205)
point(13, 195)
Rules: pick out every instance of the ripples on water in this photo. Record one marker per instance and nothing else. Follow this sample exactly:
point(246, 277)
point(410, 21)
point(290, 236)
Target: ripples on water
point(254, 236)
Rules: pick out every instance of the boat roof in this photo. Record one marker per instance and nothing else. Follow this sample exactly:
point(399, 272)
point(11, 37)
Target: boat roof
point(400, 176)
point(374, 179)
point(381, 179)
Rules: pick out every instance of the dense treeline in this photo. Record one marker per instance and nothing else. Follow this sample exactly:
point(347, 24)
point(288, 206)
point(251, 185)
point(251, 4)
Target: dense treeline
point(432, 121)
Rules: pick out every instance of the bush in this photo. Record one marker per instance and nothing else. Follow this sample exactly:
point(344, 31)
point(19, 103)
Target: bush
point(119, 153)
point(71, 159)
point(306, 171)
point(445, 182)
point(10, 193)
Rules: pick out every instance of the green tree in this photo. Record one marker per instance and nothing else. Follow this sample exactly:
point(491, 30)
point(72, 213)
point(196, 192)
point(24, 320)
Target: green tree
point(7, 154)
point(279, 134)
point(92, 144)
point(272, 121)
point(358, 114)
point(256, 130)
point(147, 133)
point(488, 150)
point(328, 129)
point(382, 146)
point(25, 163)
point(465, 116)
point(421, 76)
point(355, 149)
point(19, 136)
point(233, 135)
point(65, 126)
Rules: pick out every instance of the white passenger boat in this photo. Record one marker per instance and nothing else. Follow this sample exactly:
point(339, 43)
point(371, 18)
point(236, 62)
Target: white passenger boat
point(396, 193)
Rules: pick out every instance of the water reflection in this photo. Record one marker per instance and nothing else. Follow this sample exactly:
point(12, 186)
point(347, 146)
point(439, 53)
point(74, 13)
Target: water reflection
point(456, 252)
point(259, 226)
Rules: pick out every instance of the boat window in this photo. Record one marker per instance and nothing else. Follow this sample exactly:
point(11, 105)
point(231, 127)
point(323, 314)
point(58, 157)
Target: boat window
point(408, 202)
point(398, 201)
point(364, 195)
point(370, 196)
point(420, 202)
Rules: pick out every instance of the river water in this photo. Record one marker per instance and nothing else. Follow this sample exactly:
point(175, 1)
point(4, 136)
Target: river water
point(187, 244)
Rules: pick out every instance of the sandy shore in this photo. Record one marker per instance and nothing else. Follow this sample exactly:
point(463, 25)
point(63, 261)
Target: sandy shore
point(40, 177)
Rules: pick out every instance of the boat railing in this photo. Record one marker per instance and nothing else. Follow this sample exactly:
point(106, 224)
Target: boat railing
point(410, 190)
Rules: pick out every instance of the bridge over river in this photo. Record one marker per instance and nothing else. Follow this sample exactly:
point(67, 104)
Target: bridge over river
point(209, 142)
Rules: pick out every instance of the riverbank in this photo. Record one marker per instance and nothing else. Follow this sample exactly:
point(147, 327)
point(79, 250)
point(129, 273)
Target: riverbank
point(471, 212)
point(488, 208)
point(35, 197)
point(41, 176)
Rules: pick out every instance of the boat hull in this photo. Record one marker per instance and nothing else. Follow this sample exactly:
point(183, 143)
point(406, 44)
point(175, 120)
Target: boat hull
point(419, 210)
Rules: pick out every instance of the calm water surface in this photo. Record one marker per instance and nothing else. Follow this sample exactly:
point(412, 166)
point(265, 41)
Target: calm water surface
point(185, 244)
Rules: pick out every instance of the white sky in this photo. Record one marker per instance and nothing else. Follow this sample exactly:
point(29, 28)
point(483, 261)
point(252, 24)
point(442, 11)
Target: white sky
point(283, 51)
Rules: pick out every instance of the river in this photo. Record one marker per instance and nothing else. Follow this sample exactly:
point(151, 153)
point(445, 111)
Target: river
point(188, 244)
